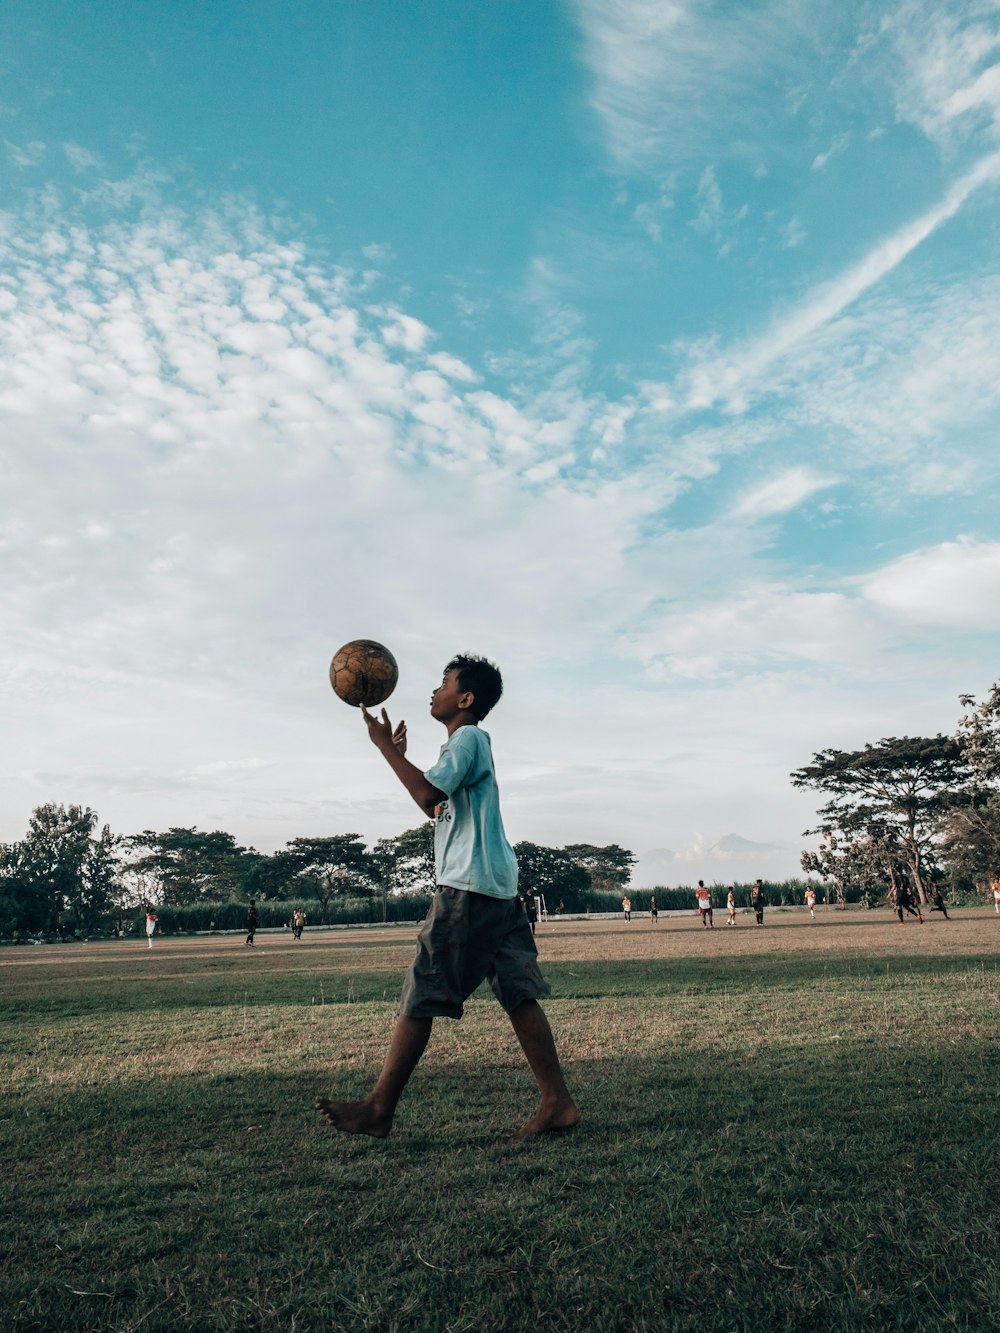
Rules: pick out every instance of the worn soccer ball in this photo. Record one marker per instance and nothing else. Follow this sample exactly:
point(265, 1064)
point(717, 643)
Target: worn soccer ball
point(363, 672)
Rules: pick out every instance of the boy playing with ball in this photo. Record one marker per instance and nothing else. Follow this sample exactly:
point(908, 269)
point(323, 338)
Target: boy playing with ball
point(477, 928)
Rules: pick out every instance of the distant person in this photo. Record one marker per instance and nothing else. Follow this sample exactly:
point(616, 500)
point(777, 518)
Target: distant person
point(627, 907)
point(251, 922)
point(560, 908)
point(996, 896)
point(904, 901)
point(811, 902)
point(731, 906)
point(653, 913)
point(938, 905)
point(298, 922)
point(531, 908)
point(758, 901)
point(703, 897)
point(150, 926)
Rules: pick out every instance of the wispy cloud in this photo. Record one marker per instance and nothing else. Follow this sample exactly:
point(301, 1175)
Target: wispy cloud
point(947, 80)
point(838, 145)
point(739, 376)
point(665, 70)
point(780, 494)
point(25, 155)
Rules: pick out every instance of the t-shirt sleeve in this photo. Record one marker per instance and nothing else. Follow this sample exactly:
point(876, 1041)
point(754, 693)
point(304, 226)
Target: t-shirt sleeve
point(454, 764)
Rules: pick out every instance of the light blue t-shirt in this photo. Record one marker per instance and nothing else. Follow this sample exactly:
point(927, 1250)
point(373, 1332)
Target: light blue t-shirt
point(471, 850)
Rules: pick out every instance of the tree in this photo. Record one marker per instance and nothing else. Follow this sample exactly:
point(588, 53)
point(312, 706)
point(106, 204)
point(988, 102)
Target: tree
point(59, 868)
point(406, 862)
point(850, 860)
point(271, 876)
point(24, 900)
point(551, 872)
point(188, 866)
point(972, 827)
point(338, 866)
point(894, 793)
point(610, 867)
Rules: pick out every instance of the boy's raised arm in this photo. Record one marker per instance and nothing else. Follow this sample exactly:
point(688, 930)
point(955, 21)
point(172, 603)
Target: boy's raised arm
point(393, 745)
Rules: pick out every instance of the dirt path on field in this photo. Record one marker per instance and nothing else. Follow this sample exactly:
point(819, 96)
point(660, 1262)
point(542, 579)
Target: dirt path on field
point(390, 948)
point(783, 931)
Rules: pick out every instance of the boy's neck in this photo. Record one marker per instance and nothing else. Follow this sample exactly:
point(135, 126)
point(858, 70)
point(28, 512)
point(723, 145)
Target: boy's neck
point(462, 719)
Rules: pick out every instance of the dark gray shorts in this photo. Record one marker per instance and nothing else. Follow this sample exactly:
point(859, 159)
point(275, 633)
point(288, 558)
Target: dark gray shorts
point(468, 938)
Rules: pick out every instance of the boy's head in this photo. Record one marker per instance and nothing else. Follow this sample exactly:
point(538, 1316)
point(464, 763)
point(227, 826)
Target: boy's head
point(479, 678)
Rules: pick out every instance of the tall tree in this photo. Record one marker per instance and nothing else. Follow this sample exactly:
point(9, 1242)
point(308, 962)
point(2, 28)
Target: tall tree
point(61, 869)
point(189, 866)
point(972, 828)
point(551, 873)
point(895, 793)
point(338, 866)
point(610, 867)
point(406, 862)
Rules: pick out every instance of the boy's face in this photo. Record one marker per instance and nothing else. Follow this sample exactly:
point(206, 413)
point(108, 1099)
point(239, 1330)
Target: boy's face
point(449, 698)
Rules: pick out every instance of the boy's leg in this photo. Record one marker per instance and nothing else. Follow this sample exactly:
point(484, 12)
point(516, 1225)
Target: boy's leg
point(373, 1114)
point(558, 1110)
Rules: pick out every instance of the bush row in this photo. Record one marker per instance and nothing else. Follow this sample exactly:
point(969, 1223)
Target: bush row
point(233, 915)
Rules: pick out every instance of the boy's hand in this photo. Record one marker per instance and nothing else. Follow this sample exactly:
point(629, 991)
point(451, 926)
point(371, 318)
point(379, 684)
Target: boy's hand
point(380, 730)
point(399, 738)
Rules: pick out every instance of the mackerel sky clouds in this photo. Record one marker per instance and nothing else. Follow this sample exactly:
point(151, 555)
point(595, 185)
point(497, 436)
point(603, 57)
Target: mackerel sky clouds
point(649, 348)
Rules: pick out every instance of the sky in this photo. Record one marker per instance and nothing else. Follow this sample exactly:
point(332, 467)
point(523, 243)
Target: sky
point(650, 348)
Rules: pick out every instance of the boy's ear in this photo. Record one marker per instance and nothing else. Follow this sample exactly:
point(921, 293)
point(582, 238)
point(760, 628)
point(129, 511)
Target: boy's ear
point(466, 699)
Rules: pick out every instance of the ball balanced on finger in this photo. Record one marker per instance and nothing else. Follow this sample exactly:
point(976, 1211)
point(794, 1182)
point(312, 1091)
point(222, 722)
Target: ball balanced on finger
point(363, 672)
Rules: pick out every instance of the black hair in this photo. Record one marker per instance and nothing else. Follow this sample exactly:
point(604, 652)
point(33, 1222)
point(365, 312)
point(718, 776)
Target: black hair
point(480, 678)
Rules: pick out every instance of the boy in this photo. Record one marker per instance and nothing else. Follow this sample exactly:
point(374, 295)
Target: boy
point(477, 927)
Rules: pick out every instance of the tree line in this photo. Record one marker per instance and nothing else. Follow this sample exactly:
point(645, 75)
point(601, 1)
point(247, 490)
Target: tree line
point(69, 873)
point(921, 811)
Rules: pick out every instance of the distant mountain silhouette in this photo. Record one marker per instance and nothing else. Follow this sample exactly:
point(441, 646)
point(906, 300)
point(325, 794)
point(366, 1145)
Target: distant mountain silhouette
point(733, 845)
point(729, 858)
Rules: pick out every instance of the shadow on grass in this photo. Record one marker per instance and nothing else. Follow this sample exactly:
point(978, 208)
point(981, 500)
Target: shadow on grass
point(795, 1190)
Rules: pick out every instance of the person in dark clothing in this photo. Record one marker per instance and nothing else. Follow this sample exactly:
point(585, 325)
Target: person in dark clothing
point(251, 921)
point(904, 902)
point(938, 904)
point(758, 901)
point(531, 907)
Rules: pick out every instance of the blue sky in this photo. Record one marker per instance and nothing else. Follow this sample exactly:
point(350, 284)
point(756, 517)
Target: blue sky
point(650, 348)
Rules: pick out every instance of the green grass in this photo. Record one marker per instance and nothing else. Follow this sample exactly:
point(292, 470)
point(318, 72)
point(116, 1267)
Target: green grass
point(793, 1139)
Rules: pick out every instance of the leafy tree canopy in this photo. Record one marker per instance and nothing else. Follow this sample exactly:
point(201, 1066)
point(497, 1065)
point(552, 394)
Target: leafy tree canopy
point(891, 794)
point(551, 872)
point(59, 868)
point(406, 862)
point(189, 866)
point(337, 866)
point(610, 867)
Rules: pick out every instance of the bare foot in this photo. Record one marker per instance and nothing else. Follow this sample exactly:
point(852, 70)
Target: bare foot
point(563, 1115)
point(354, 1117)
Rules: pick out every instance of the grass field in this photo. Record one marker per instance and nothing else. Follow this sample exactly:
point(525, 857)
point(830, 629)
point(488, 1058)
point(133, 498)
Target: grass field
point(794, 1127)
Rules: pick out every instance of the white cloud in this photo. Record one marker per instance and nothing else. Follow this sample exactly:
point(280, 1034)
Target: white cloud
point(25, 155)
point(779, 494)
point(739, 376)
point(406, 332)
point(79, 157)
point(708, 200)
point(947, 70)
point(793, 233)
point(838, 145)
point(952, 585)
point(665, 71)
